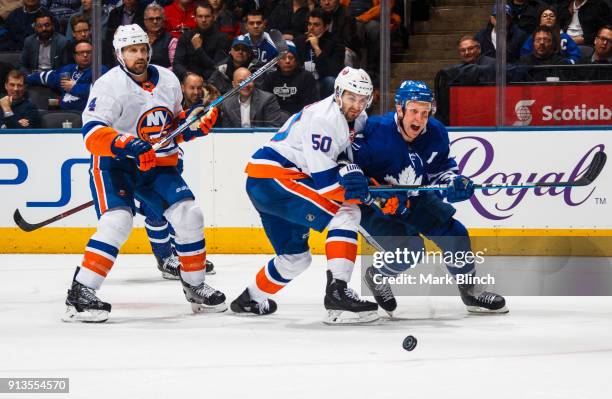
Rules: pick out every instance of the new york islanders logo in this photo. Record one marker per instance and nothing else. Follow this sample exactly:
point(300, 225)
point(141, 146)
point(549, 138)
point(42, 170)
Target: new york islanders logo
point(155, 124)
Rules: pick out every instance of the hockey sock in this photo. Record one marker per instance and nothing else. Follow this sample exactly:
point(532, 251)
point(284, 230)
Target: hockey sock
point(279, 272)
point(158, 232)
point(341, 252)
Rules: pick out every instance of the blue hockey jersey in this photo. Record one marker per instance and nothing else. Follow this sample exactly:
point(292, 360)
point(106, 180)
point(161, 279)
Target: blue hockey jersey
point(382, 153)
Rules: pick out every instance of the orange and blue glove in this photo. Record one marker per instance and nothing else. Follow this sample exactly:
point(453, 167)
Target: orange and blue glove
point(201, 126)
point(126, 146)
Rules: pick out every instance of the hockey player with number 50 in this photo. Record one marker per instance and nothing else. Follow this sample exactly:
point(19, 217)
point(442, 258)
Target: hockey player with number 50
point(409, 147)
point(130, 108)
point(296, 184)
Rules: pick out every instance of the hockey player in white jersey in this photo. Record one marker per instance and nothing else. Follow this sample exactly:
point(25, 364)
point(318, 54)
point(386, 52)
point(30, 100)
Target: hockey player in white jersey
point(296, 184)
point(131, 107)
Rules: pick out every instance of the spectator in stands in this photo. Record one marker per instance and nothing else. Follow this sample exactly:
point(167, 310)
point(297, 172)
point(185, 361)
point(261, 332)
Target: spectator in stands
point(320, 52)
point(224, 19)
point(17, 111)
point(603, 47)
point(583, 18)
point(367, 14)
point(5, 68)
point(515, 37)
point(193, 90)
point(289, 17)
point(81, 31)
point(343, 26)
point(241, 55)
point(469, 51)
point(129, 13)
point(85, 13)
point(162, 43)
point(62, 10)
point(293, 87)
point(200, 49)
point(545, 48)
point(569, 48)
point(261, 43)
point(20, 23)
point(252, 107)
point(44, 50)
point(180, 17)
point(73, 81)
point(525, 14)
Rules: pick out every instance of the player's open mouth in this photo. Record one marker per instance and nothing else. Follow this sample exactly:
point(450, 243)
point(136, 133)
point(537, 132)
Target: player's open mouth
point(415, 128)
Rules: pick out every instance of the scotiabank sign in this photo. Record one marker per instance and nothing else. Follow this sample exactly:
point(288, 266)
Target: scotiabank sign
point(532, 105)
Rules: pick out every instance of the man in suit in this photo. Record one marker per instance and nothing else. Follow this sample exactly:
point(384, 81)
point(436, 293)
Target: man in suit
point(252, 107)
point(129, 13)
point(45, 49)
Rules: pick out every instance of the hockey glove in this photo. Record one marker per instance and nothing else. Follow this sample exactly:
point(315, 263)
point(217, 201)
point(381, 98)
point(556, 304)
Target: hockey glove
point(126, 146)
point(459, 189)
point(355, 184)
point(201, 126)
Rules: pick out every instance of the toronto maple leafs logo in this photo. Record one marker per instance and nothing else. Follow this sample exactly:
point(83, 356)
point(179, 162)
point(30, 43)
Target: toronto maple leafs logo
point(408, 176)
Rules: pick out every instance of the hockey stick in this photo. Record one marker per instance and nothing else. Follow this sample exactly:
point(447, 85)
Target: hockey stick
point(594, 169)
point(281, 47)
point(25, 226)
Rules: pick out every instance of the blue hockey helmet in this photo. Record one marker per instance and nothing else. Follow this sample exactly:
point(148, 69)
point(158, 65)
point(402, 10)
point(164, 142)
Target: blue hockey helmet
point(413, 90)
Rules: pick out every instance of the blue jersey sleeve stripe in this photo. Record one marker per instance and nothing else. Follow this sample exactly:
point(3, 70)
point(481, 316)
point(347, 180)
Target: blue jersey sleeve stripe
point(325, 178)
point(268, 153)
point(90, 125)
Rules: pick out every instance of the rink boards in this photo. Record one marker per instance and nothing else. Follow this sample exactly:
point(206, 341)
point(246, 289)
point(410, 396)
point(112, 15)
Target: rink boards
point(43, 173)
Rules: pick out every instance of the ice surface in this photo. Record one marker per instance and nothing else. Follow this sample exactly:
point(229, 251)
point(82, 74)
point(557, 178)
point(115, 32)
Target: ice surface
point(153, 347)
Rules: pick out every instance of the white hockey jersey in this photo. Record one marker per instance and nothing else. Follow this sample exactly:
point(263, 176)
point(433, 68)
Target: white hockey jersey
point(118, 104)
point(308, 145)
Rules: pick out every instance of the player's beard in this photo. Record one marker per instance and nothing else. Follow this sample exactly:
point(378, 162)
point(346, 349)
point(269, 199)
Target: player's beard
point(138, 68)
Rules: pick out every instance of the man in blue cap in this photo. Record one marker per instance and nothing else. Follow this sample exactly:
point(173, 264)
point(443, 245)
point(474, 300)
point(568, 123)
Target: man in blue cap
point(515, 37)
point(240, 55)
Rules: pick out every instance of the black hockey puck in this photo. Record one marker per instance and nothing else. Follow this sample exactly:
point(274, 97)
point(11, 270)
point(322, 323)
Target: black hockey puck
point(409, 343)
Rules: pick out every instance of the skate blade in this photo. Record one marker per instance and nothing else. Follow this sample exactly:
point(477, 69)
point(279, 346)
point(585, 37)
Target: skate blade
point(484, 311)
point(91, 316)
point(169, 276)
point(201, 308)
point(210, 273)
point(339, 317)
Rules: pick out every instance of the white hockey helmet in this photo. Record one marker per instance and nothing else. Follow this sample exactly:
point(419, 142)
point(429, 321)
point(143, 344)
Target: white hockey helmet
point(127, 35)
point(354, 80)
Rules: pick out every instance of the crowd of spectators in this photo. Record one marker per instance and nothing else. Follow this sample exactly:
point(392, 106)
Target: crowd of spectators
point(211, 46)
point(206, 43)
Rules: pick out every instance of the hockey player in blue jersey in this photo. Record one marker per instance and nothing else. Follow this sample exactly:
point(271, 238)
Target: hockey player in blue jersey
point(416, 151)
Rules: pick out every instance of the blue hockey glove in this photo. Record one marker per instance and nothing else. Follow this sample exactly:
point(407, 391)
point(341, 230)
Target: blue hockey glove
point(355, 184)
point(126, 146)
point(460, 189)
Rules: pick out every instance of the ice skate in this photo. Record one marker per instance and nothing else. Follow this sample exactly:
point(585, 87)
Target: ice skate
point(204, 298)
point(245, 304)
point(169, 267)
point(82, 305)
point(344, 305)
point(477, 300)
point(382, 292)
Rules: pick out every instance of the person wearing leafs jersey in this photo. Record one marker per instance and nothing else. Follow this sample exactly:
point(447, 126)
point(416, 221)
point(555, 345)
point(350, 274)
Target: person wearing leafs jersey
point(409, 147)
point(130, 109)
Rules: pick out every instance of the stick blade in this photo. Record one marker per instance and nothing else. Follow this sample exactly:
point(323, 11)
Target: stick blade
point(279, 42)
point(595, 168)
point(21, 223)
